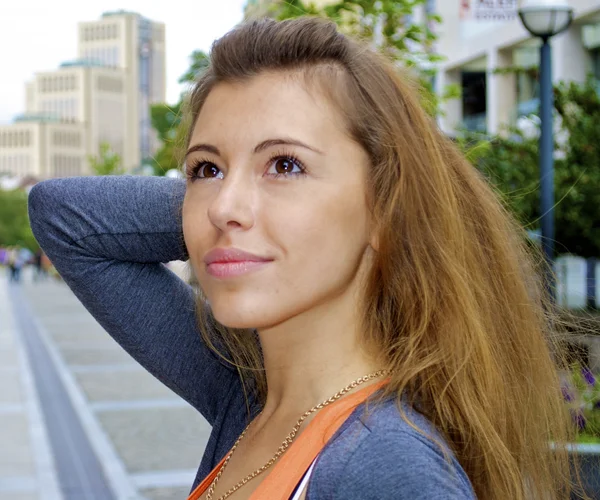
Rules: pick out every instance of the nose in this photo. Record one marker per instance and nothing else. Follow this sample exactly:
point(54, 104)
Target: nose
point(232, 206)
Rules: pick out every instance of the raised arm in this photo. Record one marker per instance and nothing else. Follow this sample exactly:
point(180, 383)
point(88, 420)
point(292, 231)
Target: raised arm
point(108, 237)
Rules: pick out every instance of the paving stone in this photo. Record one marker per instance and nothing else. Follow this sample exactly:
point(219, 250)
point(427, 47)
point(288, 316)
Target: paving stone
point(165, 493)
point(20, 496)
point(16, 458)
point(8, 358)
point(75, 318)
point(82, 327)
point(122, 386)
point(10, 387)
point(7, 340)
point(83, 335)
point(96, 356)
point(102, 345)
point(163, 439)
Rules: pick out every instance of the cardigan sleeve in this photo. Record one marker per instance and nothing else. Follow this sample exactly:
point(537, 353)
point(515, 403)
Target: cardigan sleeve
point(109, 238)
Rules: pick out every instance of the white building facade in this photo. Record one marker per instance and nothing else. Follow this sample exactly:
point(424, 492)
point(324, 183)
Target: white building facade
point(43, 148)
point(104, 96)
point(136, 46)
point(477, 51)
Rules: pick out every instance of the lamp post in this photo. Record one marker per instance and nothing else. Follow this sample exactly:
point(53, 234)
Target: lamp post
point(544, 19)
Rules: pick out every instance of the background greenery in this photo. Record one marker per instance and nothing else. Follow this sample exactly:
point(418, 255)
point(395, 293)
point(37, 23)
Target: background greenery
point(511, 163)
point(14, 222)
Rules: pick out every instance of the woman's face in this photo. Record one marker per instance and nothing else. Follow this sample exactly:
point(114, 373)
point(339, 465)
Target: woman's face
point(275, 216)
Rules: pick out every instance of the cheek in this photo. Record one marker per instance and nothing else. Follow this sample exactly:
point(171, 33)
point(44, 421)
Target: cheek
point(329, 232)
point(195, 226)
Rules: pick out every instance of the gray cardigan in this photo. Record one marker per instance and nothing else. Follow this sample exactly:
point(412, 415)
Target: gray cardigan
point(109, 238)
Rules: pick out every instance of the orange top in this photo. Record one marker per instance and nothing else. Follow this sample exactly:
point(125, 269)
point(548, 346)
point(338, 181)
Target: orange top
point(289, 470)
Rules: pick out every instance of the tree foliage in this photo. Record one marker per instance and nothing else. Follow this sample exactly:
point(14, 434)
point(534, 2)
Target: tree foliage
point(14, 222)
point(166, 119)
point(199, 61)
point(578, 173)
point(107, 163)
point(511, 163)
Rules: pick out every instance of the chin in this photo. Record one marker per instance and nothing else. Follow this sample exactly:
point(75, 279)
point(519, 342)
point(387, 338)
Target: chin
point(242, 316)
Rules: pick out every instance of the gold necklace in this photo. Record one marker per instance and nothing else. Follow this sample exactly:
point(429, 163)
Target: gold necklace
point(287, 441)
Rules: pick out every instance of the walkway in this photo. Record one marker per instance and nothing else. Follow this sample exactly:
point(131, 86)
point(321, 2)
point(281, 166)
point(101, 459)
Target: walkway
point(78, 415)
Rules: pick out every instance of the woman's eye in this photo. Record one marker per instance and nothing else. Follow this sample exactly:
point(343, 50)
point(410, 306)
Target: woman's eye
point(207, 170)
point(285, 165)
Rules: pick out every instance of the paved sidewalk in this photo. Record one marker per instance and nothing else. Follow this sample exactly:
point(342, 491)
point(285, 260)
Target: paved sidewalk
point(26, 464)
point(147, 441)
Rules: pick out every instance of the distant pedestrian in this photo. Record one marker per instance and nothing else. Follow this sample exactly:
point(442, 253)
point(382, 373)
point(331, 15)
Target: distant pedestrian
point(18, 258)
point(12, 263)
point(40, 273)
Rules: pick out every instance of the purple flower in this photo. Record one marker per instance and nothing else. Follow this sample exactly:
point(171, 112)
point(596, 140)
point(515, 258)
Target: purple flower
point(597, 405)
point(588, 376)
point(567, 394)
point(578, 419)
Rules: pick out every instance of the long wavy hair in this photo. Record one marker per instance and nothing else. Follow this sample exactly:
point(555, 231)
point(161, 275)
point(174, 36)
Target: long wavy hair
point(454, 304)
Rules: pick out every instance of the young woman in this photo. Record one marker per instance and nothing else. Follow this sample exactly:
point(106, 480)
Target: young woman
point(369, 324)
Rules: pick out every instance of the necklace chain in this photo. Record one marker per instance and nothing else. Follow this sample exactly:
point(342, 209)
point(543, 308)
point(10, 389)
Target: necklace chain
point(287, 441)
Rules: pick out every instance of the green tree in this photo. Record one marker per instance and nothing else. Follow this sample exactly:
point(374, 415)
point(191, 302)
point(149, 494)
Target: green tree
point(14, 221)
point(199, 62)
point(166, 119)
point(578, 172)
point(107, 163)
point(511, 163)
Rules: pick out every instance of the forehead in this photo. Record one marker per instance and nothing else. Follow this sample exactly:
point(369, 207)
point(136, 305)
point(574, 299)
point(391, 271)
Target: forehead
point(271, 104)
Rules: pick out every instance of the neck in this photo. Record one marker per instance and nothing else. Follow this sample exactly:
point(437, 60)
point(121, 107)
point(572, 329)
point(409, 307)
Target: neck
point(311, 357)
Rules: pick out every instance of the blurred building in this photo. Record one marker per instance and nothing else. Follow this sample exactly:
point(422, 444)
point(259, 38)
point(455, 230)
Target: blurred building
point(42, 147)
point(136, 46)
point(476, 51)
point(103, 96)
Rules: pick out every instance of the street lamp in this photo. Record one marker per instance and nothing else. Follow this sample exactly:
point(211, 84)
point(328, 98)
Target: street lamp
point(544, 19)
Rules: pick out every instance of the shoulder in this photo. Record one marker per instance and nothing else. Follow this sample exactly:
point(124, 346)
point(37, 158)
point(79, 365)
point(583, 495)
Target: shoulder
point(380, 456)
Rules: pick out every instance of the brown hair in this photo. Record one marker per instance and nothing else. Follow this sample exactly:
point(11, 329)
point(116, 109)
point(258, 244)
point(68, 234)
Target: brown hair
point(452, 303)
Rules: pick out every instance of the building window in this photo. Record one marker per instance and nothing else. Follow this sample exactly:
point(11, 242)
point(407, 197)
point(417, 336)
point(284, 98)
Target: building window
point(474, 97)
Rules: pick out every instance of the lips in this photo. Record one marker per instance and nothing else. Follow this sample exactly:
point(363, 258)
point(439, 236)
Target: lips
point(229, 262)
point(228, 255)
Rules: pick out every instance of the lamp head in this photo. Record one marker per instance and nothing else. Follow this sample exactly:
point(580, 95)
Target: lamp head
point(545, 18)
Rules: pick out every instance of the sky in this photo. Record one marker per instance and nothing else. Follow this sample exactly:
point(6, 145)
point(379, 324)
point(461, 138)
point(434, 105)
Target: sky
point(37, 35)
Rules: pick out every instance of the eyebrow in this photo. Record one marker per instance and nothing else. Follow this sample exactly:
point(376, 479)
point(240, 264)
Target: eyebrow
point(209, 148)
